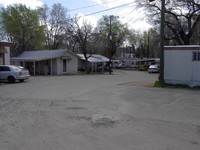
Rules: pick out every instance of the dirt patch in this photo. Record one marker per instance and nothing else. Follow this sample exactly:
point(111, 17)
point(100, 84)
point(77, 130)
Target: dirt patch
point(140, 83)
point(104, 120)
point(78, 118)
point(194, 142)
point(75, 108)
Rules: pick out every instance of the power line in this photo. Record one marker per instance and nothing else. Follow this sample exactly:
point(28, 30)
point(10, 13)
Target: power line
point(107, 9)
point(133, 17)
point(91, 6)
point(103, 11)
point(100, 11)
point(140, 17)
point(128, 13)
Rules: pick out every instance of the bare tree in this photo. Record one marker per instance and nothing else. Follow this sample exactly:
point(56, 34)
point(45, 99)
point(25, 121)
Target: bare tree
point(83, 36)
point(56, 22)
point(181, 18)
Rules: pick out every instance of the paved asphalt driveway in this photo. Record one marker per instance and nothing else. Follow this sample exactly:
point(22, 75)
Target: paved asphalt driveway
point(98, 112)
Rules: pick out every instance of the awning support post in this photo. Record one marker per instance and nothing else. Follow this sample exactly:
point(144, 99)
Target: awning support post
point(51, 66)
point(95, 67)
point(92, 67)
point(34, 68)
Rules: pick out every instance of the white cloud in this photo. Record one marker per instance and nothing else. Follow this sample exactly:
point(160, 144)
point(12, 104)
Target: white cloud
point(134, 18)
point(29, 3)
point(140, 25)
point(89, 19)
point(97, 1)
point(125, 13)
point(117, 3)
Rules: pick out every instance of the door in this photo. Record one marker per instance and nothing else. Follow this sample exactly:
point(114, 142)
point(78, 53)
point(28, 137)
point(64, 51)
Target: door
point(64, 65)
point(1, 59)
point(196, 66)
point(196, 71)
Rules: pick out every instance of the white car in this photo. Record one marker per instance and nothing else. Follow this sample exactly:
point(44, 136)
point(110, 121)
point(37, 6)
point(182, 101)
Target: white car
point(12, 73)
point(153, 69)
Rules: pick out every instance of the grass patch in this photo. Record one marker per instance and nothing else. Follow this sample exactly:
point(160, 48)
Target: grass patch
point(157, 84)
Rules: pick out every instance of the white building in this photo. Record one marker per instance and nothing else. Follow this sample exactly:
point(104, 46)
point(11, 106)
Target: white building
point(5, 53)
point(182, 65)
point(53, 62)
point(94, 61)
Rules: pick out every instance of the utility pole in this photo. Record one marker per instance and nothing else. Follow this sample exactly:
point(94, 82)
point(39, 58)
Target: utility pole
point(148, 44)
point(161, 76)
point(162, 32)
point(199, 35)
point(110, 42)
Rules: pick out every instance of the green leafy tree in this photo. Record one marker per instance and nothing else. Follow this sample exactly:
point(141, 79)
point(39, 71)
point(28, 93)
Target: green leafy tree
point(112, 35)
point(22, 26)
point(145, 44)
point(154, 42)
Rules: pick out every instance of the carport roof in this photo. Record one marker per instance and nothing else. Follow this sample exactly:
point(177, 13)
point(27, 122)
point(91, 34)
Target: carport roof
point(94, 58)
point(40, 55)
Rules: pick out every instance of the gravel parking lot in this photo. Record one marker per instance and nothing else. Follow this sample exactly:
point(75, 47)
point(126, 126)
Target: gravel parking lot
point(98, 112)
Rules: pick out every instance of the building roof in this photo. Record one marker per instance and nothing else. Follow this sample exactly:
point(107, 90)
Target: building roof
point(94, 58)
point(40, 55)
point(183, 47)
point(4, 44)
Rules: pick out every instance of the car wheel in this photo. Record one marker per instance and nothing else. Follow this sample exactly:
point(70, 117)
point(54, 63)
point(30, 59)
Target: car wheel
point(11, 79)
point(21, 80)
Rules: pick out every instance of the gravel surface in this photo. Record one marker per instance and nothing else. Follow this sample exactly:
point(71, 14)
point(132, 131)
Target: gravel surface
point(98, 112)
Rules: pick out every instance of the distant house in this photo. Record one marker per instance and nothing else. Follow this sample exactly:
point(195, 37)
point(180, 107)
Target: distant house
point(95, 60)
point(5, 53)
point(182, 65)
point(53, 62)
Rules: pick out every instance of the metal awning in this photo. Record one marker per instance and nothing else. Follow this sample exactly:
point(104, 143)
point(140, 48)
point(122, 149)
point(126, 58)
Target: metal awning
point(39, 55)
point(94, 58)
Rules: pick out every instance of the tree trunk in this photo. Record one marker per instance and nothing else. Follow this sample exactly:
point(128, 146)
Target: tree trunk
point(87, 67)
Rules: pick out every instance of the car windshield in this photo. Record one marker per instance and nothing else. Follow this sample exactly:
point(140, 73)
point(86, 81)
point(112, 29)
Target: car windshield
point(153, 66)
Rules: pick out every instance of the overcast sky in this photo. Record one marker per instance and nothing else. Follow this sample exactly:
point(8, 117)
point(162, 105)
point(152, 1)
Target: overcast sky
point(128, 14)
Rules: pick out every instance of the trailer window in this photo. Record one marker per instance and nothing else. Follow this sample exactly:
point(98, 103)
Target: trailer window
point(196, 56)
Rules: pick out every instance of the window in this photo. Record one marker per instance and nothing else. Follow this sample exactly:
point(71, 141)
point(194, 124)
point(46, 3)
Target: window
point(196, 56)
point(4, 68)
